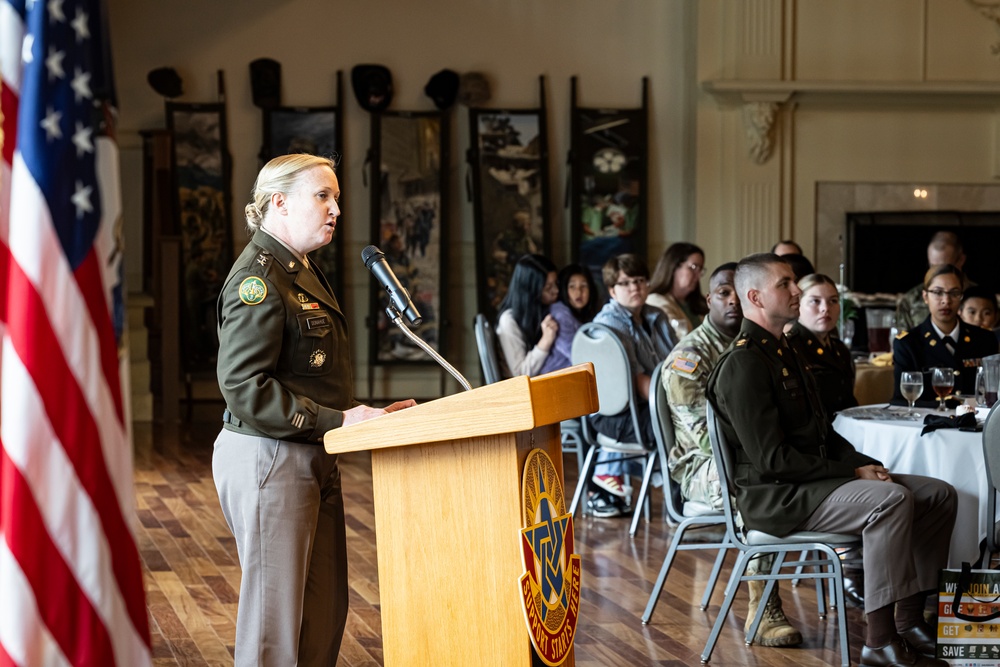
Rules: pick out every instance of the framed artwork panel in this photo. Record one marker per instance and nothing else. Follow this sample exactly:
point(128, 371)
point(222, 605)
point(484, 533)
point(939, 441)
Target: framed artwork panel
point(509, 160)
point(409, 225)
point(202, 200)
point(608, 159)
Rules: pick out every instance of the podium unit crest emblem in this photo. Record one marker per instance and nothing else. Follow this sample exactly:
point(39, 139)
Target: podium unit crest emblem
point(550, 586)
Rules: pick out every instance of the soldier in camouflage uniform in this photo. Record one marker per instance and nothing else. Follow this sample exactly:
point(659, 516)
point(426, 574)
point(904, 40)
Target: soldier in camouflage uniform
point(944, 248)
point(685, 379)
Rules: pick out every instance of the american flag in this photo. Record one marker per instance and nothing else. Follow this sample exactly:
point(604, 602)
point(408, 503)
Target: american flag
point(71, 588)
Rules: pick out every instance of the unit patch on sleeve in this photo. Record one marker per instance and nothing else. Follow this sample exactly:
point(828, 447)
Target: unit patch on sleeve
point(252, 291)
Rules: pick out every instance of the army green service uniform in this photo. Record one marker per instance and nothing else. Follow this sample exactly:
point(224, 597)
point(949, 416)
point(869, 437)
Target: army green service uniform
point(830, 365)
point(285, 371)
point(685, 379)
point(794, 472)
point(921, 349)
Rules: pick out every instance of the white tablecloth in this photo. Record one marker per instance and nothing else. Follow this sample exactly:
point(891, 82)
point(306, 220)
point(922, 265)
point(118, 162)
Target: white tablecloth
point(947, 454)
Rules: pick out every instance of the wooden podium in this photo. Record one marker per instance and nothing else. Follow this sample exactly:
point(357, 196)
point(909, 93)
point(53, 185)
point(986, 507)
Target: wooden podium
point(447, 488)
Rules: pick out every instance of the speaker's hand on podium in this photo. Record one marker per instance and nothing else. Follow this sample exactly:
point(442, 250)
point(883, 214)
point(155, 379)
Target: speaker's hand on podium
point(360, 413)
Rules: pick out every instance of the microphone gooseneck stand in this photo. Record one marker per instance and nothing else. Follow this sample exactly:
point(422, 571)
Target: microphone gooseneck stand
point(398, 321)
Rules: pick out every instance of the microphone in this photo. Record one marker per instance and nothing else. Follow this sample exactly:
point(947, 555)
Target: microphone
point(399, 298)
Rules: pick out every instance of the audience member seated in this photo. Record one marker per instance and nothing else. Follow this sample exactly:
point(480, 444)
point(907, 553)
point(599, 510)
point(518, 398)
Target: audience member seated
point(942, 340)
point(648, 339)
point(801, 266)
point(685, 378)
point(979, 308)
point(787, 247)
point(812, 337)
point(793, 472)
point(577, 304)
point(944, 248)
point(674, 288)
point(525, 330)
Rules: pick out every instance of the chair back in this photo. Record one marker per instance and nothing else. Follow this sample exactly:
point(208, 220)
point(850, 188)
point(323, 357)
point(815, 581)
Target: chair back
point(486, 341)
point(600, 345)
point(663, 431)
point(991, 454)
point(723, 454)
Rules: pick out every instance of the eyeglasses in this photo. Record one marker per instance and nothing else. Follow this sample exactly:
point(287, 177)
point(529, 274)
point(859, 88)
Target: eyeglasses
point(694, 267)
point(953, 295)
point(626, 284)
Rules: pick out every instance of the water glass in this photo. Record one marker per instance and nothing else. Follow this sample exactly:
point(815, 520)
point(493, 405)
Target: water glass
point(911, 385)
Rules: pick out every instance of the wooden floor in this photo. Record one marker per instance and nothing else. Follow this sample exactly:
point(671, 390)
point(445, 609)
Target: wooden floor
point(192, 576)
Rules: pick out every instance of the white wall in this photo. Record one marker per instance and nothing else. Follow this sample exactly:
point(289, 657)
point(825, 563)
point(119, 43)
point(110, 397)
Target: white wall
point(609, 44)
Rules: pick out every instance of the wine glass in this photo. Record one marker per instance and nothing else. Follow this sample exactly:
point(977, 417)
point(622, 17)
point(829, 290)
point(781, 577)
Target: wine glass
point(911, 385)
point(942, 379)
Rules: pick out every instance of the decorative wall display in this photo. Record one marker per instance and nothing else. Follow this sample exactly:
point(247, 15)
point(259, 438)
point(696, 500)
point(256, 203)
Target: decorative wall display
point(608, 179)
point(202, 198)
point(409, 225)
point(509, 159)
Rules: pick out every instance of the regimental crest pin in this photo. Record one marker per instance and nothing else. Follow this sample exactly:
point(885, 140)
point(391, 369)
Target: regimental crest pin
point(317, 359)
point(550, 585)
point(252, 290)
point(302, 297)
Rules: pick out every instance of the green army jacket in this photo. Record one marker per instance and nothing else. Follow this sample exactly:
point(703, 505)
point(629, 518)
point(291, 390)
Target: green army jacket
point(788, 458)
point(284, 355)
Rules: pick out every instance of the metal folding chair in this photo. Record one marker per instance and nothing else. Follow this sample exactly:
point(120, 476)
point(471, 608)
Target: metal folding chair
point(754, 543)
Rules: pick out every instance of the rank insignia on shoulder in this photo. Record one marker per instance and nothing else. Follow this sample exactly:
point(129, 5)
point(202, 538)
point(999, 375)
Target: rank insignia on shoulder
point(310, 306)
point(901, 335)
point(252, 290)
point(302, 297)
point(927, 334)
point(684, 365)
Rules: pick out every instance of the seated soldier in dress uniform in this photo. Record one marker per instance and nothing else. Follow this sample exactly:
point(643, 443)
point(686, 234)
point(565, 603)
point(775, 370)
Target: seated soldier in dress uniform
point(944, 248)
point(794, 472)
point(942, 340)
point(685, 378)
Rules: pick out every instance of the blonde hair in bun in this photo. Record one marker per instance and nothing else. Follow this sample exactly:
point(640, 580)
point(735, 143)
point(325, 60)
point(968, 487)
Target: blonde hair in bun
point(278, 175)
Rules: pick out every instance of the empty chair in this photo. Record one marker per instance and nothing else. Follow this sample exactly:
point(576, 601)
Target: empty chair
point(991, 453)
point(690, 514)
point(756, 542)
point(616, 393)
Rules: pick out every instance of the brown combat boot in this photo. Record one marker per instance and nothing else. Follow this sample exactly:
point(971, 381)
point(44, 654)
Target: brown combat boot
point(774, 628)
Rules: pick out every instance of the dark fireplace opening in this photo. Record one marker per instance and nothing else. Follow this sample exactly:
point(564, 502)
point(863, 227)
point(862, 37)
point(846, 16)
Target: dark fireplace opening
point(887, 251)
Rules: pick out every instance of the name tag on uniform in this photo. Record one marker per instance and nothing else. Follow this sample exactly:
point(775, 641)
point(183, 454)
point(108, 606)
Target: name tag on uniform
point(790, 384)
point(310, 306)
point(317, 322)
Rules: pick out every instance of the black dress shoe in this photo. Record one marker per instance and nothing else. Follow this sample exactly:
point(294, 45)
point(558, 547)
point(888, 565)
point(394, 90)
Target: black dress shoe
point(897, 653)
point(854, 590)
point(921, 637)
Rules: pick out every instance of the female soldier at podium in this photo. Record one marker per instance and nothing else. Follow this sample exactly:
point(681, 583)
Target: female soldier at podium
point(285, 372)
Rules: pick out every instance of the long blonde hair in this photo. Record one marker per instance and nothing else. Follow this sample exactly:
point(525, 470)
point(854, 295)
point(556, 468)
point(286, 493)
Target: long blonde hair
point(278, 175)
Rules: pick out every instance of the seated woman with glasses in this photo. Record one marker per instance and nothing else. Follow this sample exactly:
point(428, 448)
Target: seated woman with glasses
point(647, 337)
point(942, 340)
point(674, 288)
